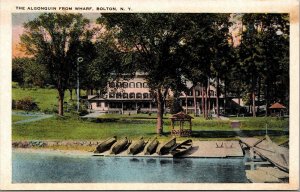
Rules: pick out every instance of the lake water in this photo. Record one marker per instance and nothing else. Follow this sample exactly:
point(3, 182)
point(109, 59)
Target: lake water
point(58, 168)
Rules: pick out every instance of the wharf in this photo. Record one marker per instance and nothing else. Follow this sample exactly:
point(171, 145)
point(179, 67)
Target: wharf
point(267, 175)
point(201, 149)
point(277, 155)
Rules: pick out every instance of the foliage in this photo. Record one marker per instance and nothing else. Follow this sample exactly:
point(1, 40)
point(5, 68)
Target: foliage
point(26, 104)
point(263, 56)
point(173, 104)
point(27, 72)
point(55, 40)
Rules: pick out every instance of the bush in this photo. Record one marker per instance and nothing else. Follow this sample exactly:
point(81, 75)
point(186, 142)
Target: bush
point(26, 104)
point(13, 105)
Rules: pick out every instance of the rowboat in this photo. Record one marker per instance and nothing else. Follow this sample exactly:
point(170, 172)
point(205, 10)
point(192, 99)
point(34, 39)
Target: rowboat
point(166, 147)
point(151, 146)
point(105, 145)
point(182, 148)
point(136, 146)
point(119, 146)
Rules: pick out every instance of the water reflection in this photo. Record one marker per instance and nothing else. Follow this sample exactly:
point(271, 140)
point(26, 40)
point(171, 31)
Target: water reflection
point(41, 168)
point(165, 162)
point(150, 161)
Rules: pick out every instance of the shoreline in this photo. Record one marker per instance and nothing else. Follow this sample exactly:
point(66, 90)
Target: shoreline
point(201, 149)
point(51, 151)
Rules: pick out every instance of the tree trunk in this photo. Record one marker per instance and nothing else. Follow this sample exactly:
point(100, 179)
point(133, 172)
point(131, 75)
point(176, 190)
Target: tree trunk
point(208, 94)
point(225, 95)
point(160, 111)
point(71, 93)
point(195, 101)
point(186, 104)
point(205, 103)
point(202, 100)
point(217, 98)
point(258, 94)
point(266, 98)
point(253, 96)
point(61, 94)
point(253, 103)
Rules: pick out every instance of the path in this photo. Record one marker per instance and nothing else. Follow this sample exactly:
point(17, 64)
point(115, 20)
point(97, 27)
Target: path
point(93, 115)
point(35, 117)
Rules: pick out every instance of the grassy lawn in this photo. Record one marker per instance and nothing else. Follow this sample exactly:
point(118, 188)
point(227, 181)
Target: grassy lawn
point(45, 98)
point(135, 126)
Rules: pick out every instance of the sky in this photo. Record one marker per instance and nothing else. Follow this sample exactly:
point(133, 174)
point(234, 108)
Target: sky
point(18, 19)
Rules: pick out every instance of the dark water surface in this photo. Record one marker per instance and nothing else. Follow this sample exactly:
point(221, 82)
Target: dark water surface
point(59, 168)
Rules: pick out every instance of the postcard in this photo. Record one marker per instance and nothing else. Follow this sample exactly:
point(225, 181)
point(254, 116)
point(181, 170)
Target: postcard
point(152, 95)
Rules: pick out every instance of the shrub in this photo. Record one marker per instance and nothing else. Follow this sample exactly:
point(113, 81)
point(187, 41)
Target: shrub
point(13, 104)
point(26, 104)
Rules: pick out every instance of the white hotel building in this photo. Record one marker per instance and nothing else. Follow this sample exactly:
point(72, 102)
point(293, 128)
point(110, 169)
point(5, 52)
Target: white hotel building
point(134, 96)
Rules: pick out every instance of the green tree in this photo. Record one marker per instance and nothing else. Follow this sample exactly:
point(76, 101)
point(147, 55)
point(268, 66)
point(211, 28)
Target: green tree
point(27, 72)
point(152, 42)
point(264, 56)
point(54, 40)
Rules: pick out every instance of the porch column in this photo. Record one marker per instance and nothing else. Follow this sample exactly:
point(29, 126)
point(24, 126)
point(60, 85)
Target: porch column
point(136, 107)
point(150, 106)
point(122, 108)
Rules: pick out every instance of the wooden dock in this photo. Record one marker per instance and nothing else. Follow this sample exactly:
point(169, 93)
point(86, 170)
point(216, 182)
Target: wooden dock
point(267, 175)
point(201, 149)
point(277, 155)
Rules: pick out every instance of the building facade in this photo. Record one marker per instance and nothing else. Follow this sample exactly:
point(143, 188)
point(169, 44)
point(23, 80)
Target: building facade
point(134, 96)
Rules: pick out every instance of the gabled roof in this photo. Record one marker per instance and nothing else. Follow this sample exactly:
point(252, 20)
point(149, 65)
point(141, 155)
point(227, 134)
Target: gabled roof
point(181, 115)
point(277, 106)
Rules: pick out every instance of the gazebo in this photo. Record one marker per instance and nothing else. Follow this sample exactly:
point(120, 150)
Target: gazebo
point(177, 124)
point(277, 107)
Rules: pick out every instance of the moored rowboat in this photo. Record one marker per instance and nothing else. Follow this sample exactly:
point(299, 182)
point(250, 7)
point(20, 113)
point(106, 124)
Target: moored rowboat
point(182, 148)
point(151, 146)
point(136, 146)
point(105, 145)
point(119, 146)
point(166, 147)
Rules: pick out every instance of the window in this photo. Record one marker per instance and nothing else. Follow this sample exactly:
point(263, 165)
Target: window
point(138, 85)
point(118, 95)
point(106, 104)
point(131, 85)
point(197, 93)
point(125, 95)
point(112, 85)
point(145, 95)
point(125, 85)
point(98, 104)
point(111, 95)
point(138, 95)
point(119, 84)
point(211, 93)
point(131, 95)
point(145, 85)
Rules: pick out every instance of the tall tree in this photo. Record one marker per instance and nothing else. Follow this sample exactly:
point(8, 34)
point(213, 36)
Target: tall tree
point(264, 56)
point(207, 52)
point(152, 41)
point(54, 40)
